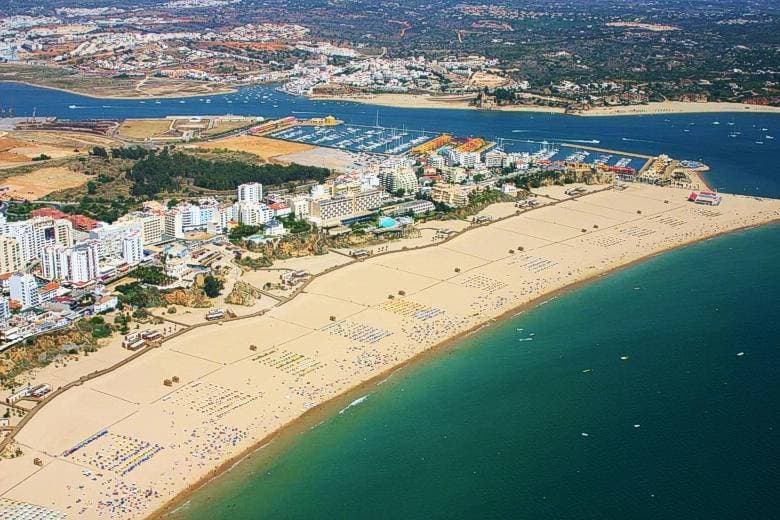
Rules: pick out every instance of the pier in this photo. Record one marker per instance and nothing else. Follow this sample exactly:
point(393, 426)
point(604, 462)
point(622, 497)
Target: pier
point(607, 150)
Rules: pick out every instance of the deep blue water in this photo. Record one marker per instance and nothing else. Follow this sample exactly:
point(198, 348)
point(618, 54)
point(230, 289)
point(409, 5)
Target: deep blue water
point(739, 164)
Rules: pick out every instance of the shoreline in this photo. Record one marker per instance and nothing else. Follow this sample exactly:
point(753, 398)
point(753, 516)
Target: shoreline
point(415, 101)
point(120, 98)
point(281, 438)
point(654, 108)
point(468, 301)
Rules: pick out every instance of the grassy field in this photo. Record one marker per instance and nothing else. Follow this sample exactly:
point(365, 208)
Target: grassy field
point(142, 129)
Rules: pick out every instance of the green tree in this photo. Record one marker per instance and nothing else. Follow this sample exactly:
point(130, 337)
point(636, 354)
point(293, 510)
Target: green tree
point(212, 286)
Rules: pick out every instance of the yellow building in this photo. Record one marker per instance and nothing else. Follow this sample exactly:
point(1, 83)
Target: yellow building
point(10, 255)
point(454, 195)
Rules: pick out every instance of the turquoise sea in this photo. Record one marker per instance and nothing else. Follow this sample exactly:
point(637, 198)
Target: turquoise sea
point(559, 427)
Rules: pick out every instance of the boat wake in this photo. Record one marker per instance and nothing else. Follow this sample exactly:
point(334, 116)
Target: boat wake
point(354, 403)
point(584, 141)
point(637, 140)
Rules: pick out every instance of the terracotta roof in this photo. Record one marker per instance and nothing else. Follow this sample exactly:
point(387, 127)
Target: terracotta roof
point(51, 286)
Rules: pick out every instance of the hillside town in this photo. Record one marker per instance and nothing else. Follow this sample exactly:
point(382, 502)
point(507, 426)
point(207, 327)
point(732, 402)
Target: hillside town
point(472, 50)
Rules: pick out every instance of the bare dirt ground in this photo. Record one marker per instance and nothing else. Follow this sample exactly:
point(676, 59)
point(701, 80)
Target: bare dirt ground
point(332, 158)
point(264, 147)
point(19, 148)
point(40, 183)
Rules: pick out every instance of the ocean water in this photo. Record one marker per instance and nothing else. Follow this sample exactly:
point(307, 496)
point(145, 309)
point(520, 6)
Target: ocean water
point(559, 426)
point(562, 427)
point(739, 163)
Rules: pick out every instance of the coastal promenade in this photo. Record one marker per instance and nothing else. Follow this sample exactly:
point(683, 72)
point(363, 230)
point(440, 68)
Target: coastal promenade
point(123, 444)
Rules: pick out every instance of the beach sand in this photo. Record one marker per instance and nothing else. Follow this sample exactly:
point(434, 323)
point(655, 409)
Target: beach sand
point(349, 326)
point(459, 102)
point(680, 107)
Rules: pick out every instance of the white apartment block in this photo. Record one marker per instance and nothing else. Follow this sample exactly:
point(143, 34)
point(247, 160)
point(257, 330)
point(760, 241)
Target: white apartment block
point(174, 224)
point(78, 264)
point(251, 193)
point(54, 262)
point(226, 214)
point(346, 206)
point(133, 248)
point(469, 159)
point(495, 159)
point(5, 309)
point(84, 264)
point(24, 289)
point(199, 216)
point(436, 161)
point(319, 191)
point(300, 205)
point(33, 234)
point(253, 214)
point(110, 238)
point(152, 226)
point(400, 179)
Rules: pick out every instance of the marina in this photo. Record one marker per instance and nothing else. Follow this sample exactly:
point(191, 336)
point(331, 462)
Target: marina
point(357, 138)
point(555, 152)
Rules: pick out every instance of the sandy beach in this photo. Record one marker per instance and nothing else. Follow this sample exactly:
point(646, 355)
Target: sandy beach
point(427, 101)
point(679, 107)
point(458, 102)
point(123, 445)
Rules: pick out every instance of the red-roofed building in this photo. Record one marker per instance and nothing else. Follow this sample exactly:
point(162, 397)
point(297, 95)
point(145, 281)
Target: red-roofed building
point(48, 292)
point(280, 209)
point(5, 280)
point(80, 222)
